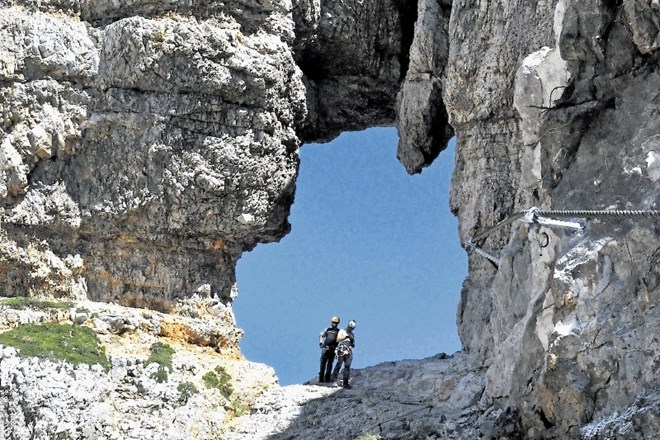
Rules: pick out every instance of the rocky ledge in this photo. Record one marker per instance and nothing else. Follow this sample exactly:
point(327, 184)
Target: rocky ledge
point(157, 375)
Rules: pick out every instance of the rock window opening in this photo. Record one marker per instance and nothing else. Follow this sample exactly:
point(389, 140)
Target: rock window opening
point(368, 242)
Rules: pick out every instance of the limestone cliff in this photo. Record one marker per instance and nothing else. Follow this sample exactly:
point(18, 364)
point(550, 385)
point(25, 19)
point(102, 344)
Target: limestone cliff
point(145, 145)
point(559, 114)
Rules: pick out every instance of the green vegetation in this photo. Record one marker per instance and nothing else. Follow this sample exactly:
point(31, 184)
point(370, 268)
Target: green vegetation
point(220, 379)
point(23, 302)
point(237, 409)
point(160, 375)
point(186, 391)
point(161, 354)
point(368, 437)
point(73, 344)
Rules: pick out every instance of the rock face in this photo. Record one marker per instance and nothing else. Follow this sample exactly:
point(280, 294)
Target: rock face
point(557, 119)
point(155, 143)
point(438, 396)
point(422, 117)
point(353, 55)
point(145, 146)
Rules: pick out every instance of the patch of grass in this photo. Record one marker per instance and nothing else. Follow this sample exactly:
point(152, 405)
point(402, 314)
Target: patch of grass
point(161, 354)
point(237, 409)
point(220, 379)
point(23, 302)
point(66, 342)
point(186, 391)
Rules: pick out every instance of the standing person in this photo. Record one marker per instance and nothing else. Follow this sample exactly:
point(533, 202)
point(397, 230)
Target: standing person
point(328, 344)
point(345, 347)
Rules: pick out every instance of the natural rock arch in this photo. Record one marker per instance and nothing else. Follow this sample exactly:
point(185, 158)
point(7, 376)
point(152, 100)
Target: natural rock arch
point(144, 147)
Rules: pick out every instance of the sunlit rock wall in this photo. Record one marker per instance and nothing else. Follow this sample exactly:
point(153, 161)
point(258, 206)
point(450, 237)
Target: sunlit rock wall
point(144, 146)
point(555, 105)
point(487, 45)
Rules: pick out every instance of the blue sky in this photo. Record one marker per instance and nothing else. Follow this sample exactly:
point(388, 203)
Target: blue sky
point(368, 242)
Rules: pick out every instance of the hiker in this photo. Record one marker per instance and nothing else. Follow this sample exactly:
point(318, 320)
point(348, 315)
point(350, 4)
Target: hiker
point(346, 343)
point(328, 344)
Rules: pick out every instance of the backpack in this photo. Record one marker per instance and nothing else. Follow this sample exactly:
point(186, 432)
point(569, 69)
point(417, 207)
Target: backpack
point(331, 336)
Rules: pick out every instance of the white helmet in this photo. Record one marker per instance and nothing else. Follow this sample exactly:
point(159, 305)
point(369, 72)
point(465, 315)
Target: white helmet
point(352, 324)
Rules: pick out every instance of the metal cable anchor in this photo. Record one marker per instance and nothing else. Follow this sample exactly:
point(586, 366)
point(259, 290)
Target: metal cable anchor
point(532, 216)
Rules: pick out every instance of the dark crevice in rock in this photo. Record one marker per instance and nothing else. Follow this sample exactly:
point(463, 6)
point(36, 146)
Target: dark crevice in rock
point(544, 419)
point(408, 16)
point(312, 66)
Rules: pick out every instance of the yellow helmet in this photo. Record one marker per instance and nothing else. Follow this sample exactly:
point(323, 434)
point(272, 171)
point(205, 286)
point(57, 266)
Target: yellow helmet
point(335, 320)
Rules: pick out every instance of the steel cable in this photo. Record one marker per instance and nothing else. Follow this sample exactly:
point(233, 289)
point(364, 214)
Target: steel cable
point(532, 213)
point(599, 213)
point(512, 218)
